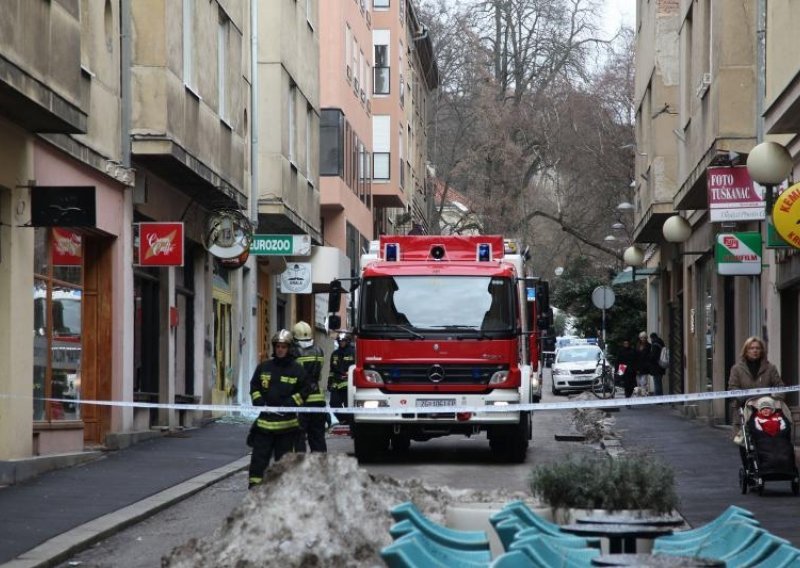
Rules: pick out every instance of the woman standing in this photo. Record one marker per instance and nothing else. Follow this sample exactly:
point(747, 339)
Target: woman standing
point(643, 363)
point(753, 371)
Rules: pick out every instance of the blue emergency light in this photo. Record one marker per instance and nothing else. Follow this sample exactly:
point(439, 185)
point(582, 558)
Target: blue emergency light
point(392, 252)
point(484, 252)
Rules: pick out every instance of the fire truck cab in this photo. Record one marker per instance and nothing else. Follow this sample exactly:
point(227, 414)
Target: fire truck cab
point(445, 322)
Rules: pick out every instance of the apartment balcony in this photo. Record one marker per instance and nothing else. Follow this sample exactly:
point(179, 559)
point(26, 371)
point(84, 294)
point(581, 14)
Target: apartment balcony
point(387, 189)
point(40, 68)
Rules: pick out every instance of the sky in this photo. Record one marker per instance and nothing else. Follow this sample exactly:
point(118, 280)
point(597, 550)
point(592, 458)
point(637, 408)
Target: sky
point(617, 12)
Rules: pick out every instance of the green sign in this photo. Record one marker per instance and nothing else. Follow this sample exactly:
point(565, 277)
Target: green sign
point(738, 253)
point(280, 245)
point(774, 240)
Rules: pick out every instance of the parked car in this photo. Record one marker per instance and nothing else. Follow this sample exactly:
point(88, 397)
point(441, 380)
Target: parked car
point(575, 367)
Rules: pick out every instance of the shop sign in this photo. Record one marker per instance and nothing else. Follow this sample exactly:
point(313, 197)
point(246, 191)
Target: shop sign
point(160, 244)
point(738, 253)
point(732, 196)
point(65, 248)
point(786, 215)
point(774, 240)
point(280, 245)
point(296, 279)
point(63, 206)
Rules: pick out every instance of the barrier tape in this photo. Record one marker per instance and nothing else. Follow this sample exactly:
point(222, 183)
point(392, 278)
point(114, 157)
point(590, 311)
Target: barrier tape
point(535, 407)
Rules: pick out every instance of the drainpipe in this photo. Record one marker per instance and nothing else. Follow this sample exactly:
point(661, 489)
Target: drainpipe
point(125, 81)
point(254, 111)
point(756, 303)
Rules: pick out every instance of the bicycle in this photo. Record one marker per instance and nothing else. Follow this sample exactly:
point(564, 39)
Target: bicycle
point(603, 385)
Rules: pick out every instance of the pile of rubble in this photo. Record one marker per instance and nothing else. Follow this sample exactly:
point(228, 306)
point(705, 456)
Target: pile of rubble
point(594, 424)
point(319, 510)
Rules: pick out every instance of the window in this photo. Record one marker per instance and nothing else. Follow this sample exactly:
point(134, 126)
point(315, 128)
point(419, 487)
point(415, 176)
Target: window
point(57, 323)
point(309, 132)
point(381, 71)
point(381, 147)
point(331, 150)
point(380, 4)
point(290, 118)
point(348, 52)
point(188, 44)
point(222, 66)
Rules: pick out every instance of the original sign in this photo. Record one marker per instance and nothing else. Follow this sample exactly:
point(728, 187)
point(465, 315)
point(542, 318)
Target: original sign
point(296, 279)
point(786, 215)
point(160, 244)
point(732, 196)
point(738, 253)
point(280, 245)
point(67, 206)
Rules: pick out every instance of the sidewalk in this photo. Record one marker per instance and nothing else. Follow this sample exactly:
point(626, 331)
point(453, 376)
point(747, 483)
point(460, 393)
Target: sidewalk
point(706, 464)
point(39, 517)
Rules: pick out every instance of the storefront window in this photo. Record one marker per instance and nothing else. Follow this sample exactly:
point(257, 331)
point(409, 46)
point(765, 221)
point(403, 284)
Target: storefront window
point(57, 324)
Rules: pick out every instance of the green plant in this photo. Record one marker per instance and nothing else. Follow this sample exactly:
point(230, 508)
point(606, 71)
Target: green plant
point(633, 481)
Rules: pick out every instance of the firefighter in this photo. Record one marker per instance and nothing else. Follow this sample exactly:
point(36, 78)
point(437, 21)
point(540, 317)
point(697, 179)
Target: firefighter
point(312, 358)
point(279, 381)
point(341, 359)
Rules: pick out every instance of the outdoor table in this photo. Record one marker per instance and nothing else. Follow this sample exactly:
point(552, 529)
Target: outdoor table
point(621, 536)
point(655, 561)
point(630, 519)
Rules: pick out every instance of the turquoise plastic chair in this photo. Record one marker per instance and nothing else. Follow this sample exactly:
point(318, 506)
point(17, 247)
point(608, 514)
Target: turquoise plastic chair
point(516, 517)
point(515, 559)
point(415, 551)
point(434, 532)
point(785, 556)
point(728, 540)
point(563, 540)
point(731, 514)
point(545, 551)
point(409, 512)
point(758, 550)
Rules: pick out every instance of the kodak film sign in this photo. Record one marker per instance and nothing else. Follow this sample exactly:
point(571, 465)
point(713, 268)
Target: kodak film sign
point(786, 215)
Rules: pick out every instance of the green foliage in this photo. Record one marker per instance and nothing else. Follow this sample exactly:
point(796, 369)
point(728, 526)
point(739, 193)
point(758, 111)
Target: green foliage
point(560, 323)
point(624, 320)
point(633, 481)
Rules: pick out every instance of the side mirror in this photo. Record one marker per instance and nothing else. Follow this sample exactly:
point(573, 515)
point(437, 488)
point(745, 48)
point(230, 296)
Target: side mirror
point(334, 322)
point(335, 296)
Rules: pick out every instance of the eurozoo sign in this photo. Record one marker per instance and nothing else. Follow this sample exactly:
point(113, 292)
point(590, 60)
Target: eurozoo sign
point(280, 245)
point(738, 254)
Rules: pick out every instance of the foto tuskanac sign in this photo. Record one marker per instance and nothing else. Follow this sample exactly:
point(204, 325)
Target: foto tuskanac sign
point(738, 254)
point(732, 195)
point(786, 215)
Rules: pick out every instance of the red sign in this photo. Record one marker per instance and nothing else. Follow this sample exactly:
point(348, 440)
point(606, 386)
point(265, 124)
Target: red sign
point(730, 187)
point(65, 248)
point(161, 244)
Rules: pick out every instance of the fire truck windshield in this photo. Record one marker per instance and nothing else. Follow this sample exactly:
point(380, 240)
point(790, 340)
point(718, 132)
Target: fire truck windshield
point(464, 305)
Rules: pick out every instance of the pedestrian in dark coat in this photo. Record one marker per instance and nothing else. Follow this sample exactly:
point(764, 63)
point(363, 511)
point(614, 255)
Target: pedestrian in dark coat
point(643, 362)
point(626, 367)
point(656, 370)
point(278, 382)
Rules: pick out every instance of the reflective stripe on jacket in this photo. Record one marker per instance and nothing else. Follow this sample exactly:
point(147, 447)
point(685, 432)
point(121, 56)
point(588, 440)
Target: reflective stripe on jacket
point(278, 382)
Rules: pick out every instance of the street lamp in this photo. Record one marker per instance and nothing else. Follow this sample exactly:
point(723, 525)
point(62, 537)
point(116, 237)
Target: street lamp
point(769, 164)
point(633, 257)
point(625, 206)
point(559, 270)
point(676, 229)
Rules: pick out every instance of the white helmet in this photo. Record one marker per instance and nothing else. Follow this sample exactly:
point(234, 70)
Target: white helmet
point(302, 331)
point(283, 336)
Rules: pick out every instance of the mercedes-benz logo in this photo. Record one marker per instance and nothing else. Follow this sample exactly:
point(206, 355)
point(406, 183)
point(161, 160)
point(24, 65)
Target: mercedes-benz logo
point(436, 374)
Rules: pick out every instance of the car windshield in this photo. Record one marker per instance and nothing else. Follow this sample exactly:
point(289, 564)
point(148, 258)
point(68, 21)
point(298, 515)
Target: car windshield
point(573, 354)
point(466, 305)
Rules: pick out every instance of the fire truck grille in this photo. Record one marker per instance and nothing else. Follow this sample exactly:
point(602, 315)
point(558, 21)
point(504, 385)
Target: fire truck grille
point(444, 374)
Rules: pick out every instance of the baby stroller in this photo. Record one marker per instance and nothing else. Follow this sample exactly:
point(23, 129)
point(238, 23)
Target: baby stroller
point(769, 457)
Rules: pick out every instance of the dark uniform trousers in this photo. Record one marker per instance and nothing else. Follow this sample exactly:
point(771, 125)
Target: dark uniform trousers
point(265, 445)
point(312, 424)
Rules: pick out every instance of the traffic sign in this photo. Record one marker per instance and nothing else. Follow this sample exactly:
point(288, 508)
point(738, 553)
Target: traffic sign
point(603, 297)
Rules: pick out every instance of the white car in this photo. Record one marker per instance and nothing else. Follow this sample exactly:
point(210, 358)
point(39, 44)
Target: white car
point(575, 367)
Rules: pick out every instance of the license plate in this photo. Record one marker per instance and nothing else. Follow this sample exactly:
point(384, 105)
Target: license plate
point(436, 402)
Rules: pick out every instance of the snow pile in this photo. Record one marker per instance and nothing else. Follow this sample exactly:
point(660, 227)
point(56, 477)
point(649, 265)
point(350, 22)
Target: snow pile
point(319, 510)
point(594, 423)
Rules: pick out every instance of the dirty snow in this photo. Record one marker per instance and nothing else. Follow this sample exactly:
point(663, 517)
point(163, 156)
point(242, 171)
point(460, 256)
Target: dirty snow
point(319, 510)
point(594, 423)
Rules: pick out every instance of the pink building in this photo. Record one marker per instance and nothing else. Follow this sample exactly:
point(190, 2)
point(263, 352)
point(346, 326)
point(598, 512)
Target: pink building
point(345, 125)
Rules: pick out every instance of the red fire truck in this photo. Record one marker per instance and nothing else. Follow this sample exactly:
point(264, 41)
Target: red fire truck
point(444, 322)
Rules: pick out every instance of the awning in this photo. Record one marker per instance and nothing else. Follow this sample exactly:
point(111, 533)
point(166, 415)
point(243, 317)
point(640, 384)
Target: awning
point(626, 275)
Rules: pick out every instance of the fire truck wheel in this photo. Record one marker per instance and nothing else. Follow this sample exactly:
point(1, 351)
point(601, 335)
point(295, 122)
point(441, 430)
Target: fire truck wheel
point(510, 443)
point(369, 441)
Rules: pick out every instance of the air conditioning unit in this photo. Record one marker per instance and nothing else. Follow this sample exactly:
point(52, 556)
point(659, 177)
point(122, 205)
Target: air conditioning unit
point(703, 85)
point(349, 73)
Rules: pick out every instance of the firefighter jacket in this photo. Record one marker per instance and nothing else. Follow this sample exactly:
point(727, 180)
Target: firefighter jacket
point(278, 382)
point(312, 358)
point(341, 360)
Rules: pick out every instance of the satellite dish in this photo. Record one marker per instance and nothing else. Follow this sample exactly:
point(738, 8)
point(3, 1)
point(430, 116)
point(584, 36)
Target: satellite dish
point(228, 234)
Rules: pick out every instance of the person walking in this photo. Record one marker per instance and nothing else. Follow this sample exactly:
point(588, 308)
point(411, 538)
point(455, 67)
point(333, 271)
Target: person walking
point(277, 382)
point(312, 358)
point(752, 371)
point(642, 362)
point(341, 359)
point(656, 370)
point(626, 367)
